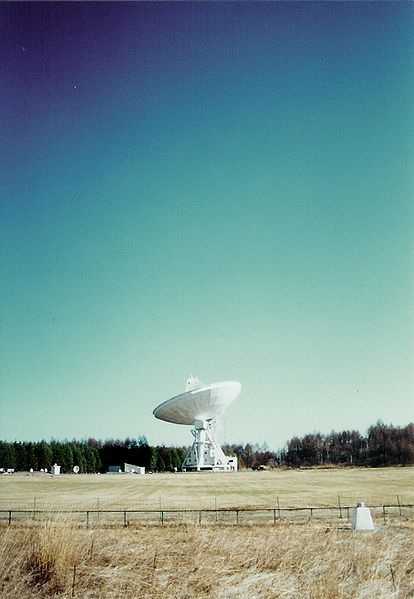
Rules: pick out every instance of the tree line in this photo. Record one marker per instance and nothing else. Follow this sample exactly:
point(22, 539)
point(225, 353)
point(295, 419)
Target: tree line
point(90, 456)
point(383, 445)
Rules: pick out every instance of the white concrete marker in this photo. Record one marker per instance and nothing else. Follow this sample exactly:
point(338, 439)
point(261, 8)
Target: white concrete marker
point(361, 518)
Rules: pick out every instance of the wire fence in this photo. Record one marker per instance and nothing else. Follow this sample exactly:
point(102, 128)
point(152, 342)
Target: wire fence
point(338, 515)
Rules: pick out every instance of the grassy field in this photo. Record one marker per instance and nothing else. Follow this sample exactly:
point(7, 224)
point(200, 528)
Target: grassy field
point(308, 560)
point(294, 488)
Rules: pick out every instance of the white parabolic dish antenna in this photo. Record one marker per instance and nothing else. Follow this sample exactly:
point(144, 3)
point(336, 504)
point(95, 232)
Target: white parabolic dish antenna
point(205, 403)
point(200, 406)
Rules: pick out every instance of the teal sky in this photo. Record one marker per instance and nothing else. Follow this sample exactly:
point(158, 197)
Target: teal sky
point(217, 189)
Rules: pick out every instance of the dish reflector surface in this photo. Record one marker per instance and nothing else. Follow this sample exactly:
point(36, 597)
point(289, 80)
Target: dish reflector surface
point(205, 403)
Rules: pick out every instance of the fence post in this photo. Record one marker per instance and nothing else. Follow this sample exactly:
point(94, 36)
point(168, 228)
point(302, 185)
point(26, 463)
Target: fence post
point(199, 517)
point(274, 516)
point(87, 519)
point(10, 517)
point(399, 504)
point(340, 507)
point(73, 580)
point(125, 519)
point(383, 513)
point(237, 516)
point(162, 516)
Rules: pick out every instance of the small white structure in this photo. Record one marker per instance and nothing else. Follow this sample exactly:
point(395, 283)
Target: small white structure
point(131, 468)
point(232, 463)
point(55, 470)
point(361, 518)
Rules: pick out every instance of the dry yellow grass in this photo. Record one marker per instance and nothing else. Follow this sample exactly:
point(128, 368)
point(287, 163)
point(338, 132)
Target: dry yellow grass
point(307, 561)
point(205, 490)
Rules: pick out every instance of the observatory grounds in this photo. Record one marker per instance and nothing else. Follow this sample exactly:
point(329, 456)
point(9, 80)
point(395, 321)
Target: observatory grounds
point(291, 488)
point(56, 554)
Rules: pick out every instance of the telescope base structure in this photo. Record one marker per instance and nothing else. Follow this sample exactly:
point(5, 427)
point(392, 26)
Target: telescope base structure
point(206, 453)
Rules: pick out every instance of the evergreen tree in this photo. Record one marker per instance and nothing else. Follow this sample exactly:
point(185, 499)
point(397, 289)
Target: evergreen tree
point(21, 458)
point(160, 466)
point(44, 455)
point(153, 459)
point(7, 455)
point(78, 455)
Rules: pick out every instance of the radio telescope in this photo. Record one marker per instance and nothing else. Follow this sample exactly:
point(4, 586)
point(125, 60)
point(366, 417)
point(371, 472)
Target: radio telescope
point(200, 406)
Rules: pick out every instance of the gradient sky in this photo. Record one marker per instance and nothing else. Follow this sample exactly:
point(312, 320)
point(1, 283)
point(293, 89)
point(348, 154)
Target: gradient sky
point(217, 189)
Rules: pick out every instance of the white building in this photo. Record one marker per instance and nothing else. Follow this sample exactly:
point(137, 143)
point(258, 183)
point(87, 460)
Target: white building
point(134, 469)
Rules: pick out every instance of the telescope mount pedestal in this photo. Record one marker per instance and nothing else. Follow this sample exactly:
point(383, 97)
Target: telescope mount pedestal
point(206, 453)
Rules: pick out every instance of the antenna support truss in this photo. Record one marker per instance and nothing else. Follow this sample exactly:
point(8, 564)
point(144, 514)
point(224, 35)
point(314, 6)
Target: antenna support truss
point(205, 452)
